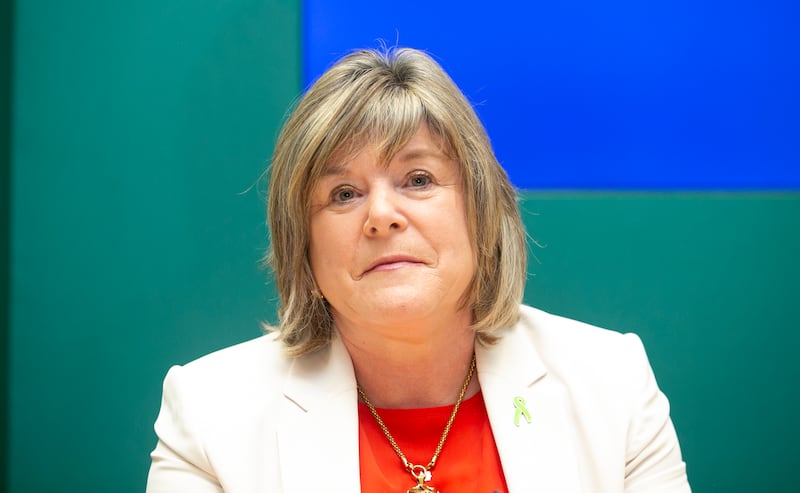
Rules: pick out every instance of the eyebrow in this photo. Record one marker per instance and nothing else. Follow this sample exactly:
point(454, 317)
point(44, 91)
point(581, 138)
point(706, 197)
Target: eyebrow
point(422, 153)
point(334, 170)
point(340, 169)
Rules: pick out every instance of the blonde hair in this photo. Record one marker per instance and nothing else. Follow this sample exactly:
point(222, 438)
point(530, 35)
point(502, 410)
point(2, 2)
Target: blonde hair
point(381, 97)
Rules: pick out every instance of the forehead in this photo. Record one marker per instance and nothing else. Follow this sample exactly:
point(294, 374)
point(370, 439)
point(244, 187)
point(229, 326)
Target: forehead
point(421, 145)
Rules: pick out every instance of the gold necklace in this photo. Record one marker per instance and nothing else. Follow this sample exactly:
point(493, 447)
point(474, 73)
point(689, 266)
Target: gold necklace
point(421, 473)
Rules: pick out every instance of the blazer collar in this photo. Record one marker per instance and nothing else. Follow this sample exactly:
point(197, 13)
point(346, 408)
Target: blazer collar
point(318, 437)
point(538, 455)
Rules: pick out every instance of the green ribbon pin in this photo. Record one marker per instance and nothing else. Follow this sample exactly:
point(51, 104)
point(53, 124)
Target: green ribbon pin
point(520, 409)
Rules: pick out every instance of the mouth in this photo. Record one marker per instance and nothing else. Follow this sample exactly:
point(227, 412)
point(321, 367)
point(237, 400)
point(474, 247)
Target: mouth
point(390, 263)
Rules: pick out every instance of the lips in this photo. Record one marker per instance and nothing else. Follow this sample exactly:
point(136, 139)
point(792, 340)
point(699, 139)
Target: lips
point(391, 262)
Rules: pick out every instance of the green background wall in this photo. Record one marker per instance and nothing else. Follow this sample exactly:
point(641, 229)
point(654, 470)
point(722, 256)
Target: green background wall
point(138, 135)
point(140, 130)
point(709, 281)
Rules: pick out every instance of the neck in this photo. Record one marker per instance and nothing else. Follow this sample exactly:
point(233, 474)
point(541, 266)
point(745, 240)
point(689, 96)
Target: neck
point(421, 367)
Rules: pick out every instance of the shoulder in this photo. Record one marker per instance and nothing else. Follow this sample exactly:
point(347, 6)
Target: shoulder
point(218, 414)
point(549, 331)
point(247, 373)
point(602, 382)
point(604, 375)
point(594, 385)
point(581, 354)
point(257, 355)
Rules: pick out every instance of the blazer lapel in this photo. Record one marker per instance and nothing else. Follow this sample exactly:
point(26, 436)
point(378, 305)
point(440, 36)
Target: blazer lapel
point(538, 455)
point(318, 439)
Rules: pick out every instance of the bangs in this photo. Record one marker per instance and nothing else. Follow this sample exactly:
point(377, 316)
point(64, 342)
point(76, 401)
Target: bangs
point(387, 120)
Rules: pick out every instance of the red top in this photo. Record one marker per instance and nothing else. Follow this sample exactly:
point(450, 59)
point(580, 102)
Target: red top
point(468, 463)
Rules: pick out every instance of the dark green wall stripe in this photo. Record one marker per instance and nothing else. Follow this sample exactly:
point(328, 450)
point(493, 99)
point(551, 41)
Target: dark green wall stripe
point(6, 77)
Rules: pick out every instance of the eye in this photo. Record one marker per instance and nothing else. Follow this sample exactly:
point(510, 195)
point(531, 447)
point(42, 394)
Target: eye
point(343, 194)
point(419, 180)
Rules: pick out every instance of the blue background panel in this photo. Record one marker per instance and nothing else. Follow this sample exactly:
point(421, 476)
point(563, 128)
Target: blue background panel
point(609, 95)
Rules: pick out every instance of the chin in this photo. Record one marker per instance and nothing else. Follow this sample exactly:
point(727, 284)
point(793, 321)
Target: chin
point(411, 308)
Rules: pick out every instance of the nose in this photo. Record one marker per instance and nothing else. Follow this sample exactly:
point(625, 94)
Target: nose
point(383, 213)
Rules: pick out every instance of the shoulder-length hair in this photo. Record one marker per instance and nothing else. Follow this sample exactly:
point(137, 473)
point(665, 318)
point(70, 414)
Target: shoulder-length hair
point(380, 97)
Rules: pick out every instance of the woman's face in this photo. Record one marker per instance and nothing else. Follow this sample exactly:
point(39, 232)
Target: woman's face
point(390, 245)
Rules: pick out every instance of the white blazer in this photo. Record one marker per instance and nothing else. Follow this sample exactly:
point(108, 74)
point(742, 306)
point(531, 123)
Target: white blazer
point(248, 419)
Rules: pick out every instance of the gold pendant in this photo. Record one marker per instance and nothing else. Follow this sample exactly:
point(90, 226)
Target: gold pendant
point(421, 474)
point(422, 488)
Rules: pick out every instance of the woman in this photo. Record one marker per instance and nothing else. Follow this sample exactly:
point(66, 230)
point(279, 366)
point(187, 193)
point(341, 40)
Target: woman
point(403, 360)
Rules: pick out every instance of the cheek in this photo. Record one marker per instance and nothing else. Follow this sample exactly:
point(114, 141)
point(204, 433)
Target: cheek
point(316, 254)
point(327, 246)
point(462, 241)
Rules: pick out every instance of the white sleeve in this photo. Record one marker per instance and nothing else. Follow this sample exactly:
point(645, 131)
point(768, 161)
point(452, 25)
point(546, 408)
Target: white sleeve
point(653, 462)
point(179, 462)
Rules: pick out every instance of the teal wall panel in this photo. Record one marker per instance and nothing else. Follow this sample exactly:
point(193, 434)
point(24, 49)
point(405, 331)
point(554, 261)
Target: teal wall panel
point(709, 281)
point(140, 131)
